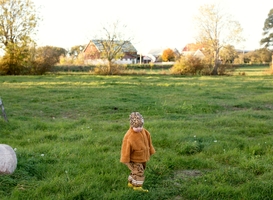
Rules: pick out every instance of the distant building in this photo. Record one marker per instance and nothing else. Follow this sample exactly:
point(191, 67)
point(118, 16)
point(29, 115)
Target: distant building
point(92, 52)
point(197, 53)
point(194, 50)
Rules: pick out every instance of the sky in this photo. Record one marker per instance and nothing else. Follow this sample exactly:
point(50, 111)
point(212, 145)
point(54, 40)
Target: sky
point(151, 23)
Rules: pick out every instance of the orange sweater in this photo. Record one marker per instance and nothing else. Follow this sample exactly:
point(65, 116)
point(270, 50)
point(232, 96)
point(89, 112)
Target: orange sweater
point(136, 147)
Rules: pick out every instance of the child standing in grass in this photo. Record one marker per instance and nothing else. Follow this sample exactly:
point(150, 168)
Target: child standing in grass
point(136, 151)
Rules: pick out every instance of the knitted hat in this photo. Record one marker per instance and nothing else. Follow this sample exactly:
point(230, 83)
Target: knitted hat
point(136, 120)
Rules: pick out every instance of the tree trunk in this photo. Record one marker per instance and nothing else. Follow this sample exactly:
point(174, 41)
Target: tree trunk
point(109, 67)
point(216, 63)
point(215, 69)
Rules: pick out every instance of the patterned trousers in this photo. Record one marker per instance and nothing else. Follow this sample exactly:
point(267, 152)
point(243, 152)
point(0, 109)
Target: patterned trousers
point(136, 176)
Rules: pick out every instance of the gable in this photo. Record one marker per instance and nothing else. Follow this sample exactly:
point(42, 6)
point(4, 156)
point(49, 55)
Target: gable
point(197, 53)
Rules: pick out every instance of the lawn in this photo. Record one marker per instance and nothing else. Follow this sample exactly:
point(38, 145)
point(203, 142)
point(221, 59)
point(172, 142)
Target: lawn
point(212, 134)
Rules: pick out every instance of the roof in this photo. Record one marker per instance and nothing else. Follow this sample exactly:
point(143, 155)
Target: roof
point(159, 51)
point(126, 45)
point(156, 52)
point(193, 47)
point(197, 53)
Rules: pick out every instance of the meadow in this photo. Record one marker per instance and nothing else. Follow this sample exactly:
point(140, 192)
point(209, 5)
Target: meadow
point(212, 135)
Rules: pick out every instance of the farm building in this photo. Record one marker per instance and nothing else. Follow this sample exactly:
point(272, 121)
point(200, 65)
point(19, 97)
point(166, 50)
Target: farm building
point(92, 52)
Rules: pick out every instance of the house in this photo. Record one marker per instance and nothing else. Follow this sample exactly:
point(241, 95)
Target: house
point(156, 54)
point(194, 50)
point(92, 52)
point(143, 59)
point(197, 53)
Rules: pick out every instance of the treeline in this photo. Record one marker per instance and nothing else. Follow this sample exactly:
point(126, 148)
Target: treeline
point(49, 59)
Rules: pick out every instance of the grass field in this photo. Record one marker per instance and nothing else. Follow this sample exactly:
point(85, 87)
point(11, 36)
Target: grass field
point(213, 135)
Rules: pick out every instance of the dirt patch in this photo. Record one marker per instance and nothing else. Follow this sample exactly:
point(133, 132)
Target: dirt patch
point(184, 174)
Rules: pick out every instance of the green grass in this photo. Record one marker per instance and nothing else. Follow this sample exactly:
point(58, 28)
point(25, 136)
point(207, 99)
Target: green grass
point(213, 136)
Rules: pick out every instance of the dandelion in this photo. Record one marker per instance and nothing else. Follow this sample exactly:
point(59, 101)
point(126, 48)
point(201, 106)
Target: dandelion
point(67, 177)
point(42, 155)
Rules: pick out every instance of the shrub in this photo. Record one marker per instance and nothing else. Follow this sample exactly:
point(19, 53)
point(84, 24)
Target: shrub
point(226, 69)
point(188, 65)
point(114, 69)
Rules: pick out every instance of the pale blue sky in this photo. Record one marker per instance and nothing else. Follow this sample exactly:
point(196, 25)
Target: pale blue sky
point(152, 23)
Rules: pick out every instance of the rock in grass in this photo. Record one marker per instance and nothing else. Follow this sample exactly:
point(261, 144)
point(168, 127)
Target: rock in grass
point(8, 159)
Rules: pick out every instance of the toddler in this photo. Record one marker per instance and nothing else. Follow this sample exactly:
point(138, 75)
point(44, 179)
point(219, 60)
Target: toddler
point(136, 150)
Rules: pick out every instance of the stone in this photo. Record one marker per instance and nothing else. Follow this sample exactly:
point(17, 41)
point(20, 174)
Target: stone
point(8, 159)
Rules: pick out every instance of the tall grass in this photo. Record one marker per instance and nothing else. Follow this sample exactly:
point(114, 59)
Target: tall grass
point(212, 136)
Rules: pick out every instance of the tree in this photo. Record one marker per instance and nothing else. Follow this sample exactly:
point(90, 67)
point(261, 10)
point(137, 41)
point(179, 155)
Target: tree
point(76, 50)
point(113, 43)
point(267, 41)
point(264, 55)
point(74, 57)
point(168, 55)
point(188, 65)
point(258, 56)
point(228, 54)
point(16, 59)
point(18, 20)
point(215, 30)
point(45, 58)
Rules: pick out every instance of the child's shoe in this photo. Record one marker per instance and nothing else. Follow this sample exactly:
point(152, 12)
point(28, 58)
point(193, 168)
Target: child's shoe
point(140, 189)
point(130, 185)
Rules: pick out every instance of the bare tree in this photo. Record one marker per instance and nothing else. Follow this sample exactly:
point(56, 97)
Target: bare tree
point(114, 43)
point(216, 29)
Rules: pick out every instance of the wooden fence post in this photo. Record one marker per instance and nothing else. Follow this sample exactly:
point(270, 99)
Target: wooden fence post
point(3, 110)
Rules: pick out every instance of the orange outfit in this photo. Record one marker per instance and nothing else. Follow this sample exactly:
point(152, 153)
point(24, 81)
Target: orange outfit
point(136, 147)
point(136, 150)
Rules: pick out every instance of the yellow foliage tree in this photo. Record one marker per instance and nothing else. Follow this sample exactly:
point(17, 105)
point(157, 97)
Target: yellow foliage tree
point(168, 55)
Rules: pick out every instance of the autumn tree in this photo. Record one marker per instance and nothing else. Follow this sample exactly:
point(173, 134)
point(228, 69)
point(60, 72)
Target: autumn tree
point(267, 40)
point(216, 29)
point(265, 55)
point(76, 50)
point(168, 55)
point(228, 54)
point(75, 56)
point(18, 20)
point(188, 65)
point(45, 58)
point(114, 43)
point(258, 56)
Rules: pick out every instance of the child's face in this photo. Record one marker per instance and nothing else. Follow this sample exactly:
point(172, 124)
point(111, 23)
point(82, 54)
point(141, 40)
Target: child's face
point(138, 129)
